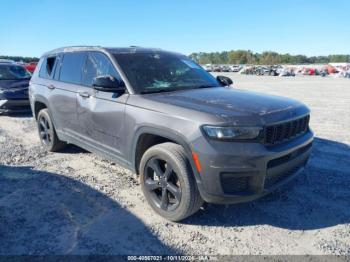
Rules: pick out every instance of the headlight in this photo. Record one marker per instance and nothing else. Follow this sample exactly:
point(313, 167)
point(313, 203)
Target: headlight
point(232, 133)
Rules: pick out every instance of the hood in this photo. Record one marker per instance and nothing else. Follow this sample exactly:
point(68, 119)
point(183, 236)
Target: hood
point(231, 103)
point(14, 89)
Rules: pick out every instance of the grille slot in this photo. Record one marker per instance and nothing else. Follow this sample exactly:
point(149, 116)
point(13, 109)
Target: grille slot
point(234, 185)
point(275, 134)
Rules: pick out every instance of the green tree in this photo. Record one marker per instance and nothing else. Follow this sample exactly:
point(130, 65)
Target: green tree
point(20, 58)
point(270, 58)
point(265, 58)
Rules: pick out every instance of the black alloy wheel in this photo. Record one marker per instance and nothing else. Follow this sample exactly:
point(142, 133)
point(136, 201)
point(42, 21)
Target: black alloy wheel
point(45, 130)
point(168, 183)
point(163, 184)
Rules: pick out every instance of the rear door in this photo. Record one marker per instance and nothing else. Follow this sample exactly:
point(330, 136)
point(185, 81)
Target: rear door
point(66, 80)
point(101, 114)
point(60, 99)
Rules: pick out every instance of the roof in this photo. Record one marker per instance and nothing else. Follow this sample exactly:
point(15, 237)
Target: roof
point(113, 50)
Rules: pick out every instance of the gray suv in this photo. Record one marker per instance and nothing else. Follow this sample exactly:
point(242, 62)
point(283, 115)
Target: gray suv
point(188, 135)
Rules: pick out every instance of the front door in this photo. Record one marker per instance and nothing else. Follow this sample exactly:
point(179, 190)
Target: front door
point(101, 114)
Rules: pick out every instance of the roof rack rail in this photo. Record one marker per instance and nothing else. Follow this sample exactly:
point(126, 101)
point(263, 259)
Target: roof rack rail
point(66, 48)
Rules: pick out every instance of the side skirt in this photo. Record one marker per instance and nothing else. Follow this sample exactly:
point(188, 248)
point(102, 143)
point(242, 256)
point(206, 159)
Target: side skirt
point(99, 150)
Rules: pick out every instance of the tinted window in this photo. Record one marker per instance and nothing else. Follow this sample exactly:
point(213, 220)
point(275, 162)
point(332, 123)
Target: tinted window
point(98, 64)
point(47, 66)
point(71, 68)
point(57, 67)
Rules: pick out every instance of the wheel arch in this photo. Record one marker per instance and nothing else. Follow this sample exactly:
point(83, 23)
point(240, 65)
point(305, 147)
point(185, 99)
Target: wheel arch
point(146, 137)
point(41, 102)
point(38, 104)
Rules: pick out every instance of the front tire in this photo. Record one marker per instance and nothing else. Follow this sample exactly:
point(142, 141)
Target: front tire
point(167, 182)
point(47, 132)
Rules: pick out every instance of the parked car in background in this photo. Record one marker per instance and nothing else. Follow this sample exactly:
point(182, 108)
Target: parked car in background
point(286, 72)
point(260, 70)
point(235, 68)
point(224, 68)
point(208, 67)
point(14, 82)
point(31, 66)
point(188, 135)
point(347, 73)
point(216, 68)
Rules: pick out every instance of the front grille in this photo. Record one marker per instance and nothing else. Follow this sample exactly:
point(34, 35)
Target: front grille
point(275, 134)
point(234, 185)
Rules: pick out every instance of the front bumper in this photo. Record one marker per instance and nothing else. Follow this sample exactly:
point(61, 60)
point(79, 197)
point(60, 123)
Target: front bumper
point(14, 105)
point(234, 172)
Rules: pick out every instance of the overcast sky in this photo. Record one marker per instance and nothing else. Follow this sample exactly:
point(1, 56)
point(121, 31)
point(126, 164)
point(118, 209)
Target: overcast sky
point(315, 27)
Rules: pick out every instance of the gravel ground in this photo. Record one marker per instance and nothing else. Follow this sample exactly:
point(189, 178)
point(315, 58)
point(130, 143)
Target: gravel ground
point(74, 202)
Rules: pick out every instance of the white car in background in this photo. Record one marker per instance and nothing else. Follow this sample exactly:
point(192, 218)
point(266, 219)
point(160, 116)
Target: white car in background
point(208, 67)
point(235, 68)
point(285, 72)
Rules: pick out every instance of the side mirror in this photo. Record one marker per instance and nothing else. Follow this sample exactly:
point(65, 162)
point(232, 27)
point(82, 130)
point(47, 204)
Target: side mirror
point(224, 80)
point(108, 84)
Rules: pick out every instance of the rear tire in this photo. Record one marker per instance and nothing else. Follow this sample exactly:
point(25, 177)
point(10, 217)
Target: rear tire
point(168, 183)
point(47, 132)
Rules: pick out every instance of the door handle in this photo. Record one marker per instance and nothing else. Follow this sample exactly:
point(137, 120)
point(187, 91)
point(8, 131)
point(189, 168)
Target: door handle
point(52, 87)
point(84, 95)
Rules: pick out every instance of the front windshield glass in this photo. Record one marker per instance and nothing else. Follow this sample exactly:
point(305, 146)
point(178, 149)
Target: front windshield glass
point(162, 72)
point(13, 72)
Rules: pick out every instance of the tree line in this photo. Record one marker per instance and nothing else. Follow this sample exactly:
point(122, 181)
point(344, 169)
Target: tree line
point(265, 58)
point(20, 58)
point(240, 57)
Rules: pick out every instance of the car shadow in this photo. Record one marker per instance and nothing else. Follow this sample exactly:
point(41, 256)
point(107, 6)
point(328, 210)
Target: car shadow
point(47, 213)
point(73, 149)
point(318, 198)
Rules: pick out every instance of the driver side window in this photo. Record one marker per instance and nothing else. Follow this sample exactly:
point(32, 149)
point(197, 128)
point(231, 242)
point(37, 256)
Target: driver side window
point(97, 64)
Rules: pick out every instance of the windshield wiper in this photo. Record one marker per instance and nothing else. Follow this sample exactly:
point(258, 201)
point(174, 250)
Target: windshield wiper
point(162, 90)
point(205, 86)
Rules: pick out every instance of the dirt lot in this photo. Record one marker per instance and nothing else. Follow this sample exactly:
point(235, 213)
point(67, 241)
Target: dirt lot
point(77, 203)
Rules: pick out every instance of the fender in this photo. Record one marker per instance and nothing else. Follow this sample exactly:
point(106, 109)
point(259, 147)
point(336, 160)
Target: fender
point(42, 99)
point(169, 134)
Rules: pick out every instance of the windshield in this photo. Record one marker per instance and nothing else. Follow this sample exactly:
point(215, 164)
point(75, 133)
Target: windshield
point(13, 72)
point(162, 72)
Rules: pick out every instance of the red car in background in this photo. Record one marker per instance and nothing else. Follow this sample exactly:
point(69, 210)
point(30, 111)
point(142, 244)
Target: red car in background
point(31, 66)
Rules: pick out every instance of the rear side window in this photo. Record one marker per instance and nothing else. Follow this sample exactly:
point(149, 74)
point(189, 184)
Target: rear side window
point(71, 68)
point(47, 67)
point(98, 64)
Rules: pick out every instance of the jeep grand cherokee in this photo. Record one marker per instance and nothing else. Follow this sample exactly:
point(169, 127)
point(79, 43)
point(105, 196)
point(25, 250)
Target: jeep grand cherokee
point(190, 136)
